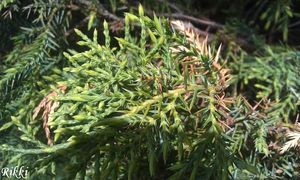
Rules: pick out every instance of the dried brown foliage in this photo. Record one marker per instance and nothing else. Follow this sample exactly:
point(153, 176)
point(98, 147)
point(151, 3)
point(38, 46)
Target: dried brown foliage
point(48, 106)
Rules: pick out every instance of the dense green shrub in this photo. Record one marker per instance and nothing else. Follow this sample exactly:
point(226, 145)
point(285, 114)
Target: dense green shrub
point(158, 101)
point(133, 107)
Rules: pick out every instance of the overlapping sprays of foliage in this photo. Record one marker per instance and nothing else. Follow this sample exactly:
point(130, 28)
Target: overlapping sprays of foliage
point(152, 104)
point(272, 75)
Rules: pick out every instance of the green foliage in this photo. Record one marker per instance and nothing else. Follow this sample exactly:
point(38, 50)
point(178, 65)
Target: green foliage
point(37, 49)
point(273, 75)
point(124, 103)
point(6, 3)
point(269, 78)
point(276, 15)
point(155, 102)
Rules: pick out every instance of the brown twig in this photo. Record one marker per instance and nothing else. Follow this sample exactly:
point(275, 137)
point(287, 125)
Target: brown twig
point(193, 19)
